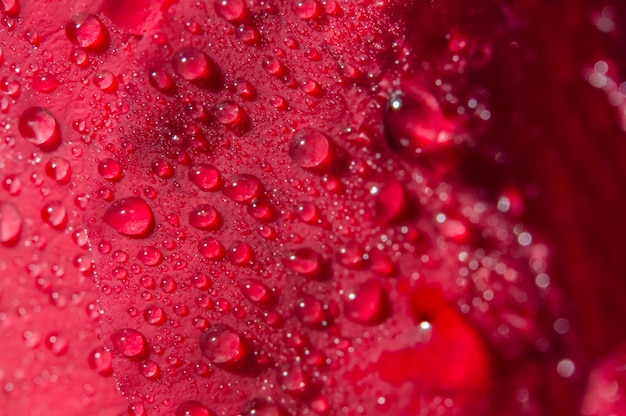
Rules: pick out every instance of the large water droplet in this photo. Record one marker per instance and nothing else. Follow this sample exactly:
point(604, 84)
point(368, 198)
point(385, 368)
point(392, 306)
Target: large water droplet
point(240, 253)
point(211, 249)
point(10, 223)
point(10, 7)
point(130, 216)
point(205, 217)
point(309, 148)
point(150, 256)
point(193, 65)
point(59, 169)
point(130, 343)
point(205, 176)
point(38, 126)
point(256, 291)
point(231, 10)
point(414, 122)
point(304, 261)
point(87, 31)
point(261, 406)
point(224, 346)
point(110, 169)
point(242, 188)
point(367, 304)
point(193, 408)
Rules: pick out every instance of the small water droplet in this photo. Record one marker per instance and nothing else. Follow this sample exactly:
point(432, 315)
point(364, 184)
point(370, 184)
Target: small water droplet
point(273, 66)
point(38, 126)
point(205, 176)
point(161, 80)
point(256, 291)
point(55, 215)
point(310, 310)
point(45, 83)
point(367, 304)
point(106, 81)
point(130, 216)
point(193, 408)
point(154, 315)
point(242, 188)
point(304, 261)
point(10, 223)
point(150, 256)
point(59, 169)
point(56, 343)
point(295, 381)
point(211, 249)
point(162, 168)
point(261, 210)
point(224, 346)
point(149, 369)
point(309, 148)
point(110, 169)
point(193, 65)
point(244, 89)
point(136, 409)
point(261, 406)
point(229, 113)
point(101, 360)
point(130, 343)
point(240, 253)
point(205, 217)
point(231, 10)
point(307, 9)
point(87, 31)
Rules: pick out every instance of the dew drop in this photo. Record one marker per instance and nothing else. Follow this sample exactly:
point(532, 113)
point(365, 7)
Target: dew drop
point(154, 315)
point(351, 255)
point(304, 261)
point(87, 31)
point(295, 381)
point(390, 202)
point(308, 213)
point(149, 369)
point(256, 291)
point(367, 304)
point(162, 168)
point(101, 361)
point(261, 210)
point(56, 343)
point(309, 148)
point(273, 66)
point(130, 343)
point(261, 406)
point(205, 176)
point(130, 216)
point(240, 253)
point(242, 188)
point(45, 83)
point(10, 7)
point(224, 346)
point(205, 217)
point(310, 310)
point(55, 215)
point(413, 121)
point(229, 113)
point(150, 256)
point(59, 169)
point(161, 81)
point(244, 89)
point(307, 9)
point(231, 10)
point(38, 126)
point(106, 81)
point(193, 65)
point(10, 223)
point(192, 408)
point(211, 249)
point(110, 169)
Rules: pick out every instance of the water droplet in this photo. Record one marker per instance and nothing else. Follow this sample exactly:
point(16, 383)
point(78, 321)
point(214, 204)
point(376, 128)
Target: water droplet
point(229, 113)
point(224, 346)
point(150, 256)
point(211, 249)
point(87, 31)
point(12, 184)
point(248, 34)
point(273, 66)
point(10, 7)
point(193, 408)
point(390, 202)
point(110, 169)
point(205, 217)
point(149, 369)
point(205, 176)
point(367, 304)
point(106, 81)
point(168, 284)
point(309, 148)
point(101, 360)
point(161, 80)
point(231, 10)
point(261, 210)
point(240, 253)
point(310, 310)
point(10, 223)
point(38, 126)
point(56, 343)
point(59, 169)
point(162, 168)
point(136, 409)
point(244, 89)
point(295, 381)
point(308, 213)
point(193, 65)
point(256, 291)
point(304, 261)
point(130, 216)
point(414, 122)
point(55, 215)
point(307, 9)
point(154, 315)
point(261, 406)
point(351, 255)
point(242, 188)
point(130, 343)
point(45, 83)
